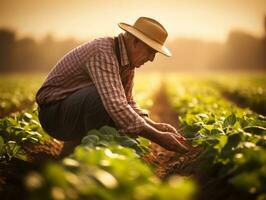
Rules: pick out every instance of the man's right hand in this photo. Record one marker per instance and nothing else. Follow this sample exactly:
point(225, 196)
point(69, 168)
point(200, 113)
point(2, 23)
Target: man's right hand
point(172, 142)
point(168, 140)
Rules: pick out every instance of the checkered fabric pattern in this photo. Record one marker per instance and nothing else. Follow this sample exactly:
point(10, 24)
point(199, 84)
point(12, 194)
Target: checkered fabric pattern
point(96, 63)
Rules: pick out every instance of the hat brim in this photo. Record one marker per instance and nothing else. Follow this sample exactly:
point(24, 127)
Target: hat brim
point(153, 44)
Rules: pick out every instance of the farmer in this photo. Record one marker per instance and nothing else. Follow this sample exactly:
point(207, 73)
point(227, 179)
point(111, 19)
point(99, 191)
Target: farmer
point(91, 86)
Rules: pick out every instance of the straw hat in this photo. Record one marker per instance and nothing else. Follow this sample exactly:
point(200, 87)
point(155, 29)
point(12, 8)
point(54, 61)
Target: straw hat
point(150, 32)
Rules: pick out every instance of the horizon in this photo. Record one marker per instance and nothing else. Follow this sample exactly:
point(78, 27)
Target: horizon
point(55, 38)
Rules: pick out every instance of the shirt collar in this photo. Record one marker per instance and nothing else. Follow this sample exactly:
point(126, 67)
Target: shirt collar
point(123, 51)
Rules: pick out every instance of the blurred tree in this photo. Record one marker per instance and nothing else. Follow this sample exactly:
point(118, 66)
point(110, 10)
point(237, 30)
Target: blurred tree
point(264, 26)
point(7, 42)
point(243, 51)
point(264, 44)
point(52, 50)
point(49, 51)
point(26, 54)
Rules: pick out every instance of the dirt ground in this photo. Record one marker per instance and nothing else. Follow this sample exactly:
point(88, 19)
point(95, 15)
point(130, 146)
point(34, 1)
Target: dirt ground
point(168, 162)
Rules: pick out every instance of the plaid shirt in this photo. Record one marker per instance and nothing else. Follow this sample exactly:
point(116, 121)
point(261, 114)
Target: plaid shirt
point(96, 63)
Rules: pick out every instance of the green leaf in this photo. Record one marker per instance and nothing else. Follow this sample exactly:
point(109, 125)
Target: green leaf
point(128, 142)
point(144, 142)
point(103, 143)
point(90, 139)
point(232, 141)
point(197, 126)
point(27, 117)
point(190, 130)
point(190, 119)
point(243, 122)
point(255, 129)
point(33, 140)
point(107, 130)
point(107, 137)
point(229, 121)
point(212, 140)
point(21, 155)
point(217, 131)
point(262, 117)
point(93, 132)
point(34, 133)
point(208, 127)
point(2, 142)
point(202, 115)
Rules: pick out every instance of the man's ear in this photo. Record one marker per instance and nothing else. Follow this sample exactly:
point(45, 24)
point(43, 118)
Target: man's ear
point(135, 42)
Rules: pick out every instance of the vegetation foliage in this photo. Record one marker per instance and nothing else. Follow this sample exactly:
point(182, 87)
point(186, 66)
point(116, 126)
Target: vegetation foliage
point(107, 165)
point(233, 138)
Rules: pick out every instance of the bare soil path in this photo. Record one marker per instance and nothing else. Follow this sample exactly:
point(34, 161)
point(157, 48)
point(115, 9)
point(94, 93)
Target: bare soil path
point(168, 162)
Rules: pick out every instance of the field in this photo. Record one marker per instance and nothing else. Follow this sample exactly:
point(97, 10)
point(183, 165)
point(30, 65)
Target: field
point(223, 116)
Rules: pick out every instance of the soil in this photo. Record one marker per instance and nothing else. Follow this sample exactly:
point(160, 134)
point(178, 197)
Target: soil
point(168, 162)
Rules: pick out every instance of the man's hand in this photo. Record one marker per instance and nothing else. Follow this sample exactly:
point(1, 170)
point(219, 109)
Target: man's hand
point(168, 128)
point(165, 127)
point(162, 126)
point(169, 140)
point(172, 142)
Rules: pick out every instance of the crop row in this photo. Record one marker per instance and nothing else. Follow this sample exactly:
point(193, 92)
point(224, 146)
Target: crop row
point(17, 92)
point(234, 139)
point(16, 131)
point(246, 91)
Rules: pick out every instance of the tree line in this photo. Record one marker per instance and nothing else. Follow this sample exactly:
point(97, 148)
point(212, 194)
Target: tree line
point(241, 51)
point(27, 54)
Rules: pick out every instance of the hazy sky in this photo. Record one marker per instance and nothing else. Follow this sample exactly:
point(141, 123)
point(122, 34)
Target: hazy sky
point(83, 19)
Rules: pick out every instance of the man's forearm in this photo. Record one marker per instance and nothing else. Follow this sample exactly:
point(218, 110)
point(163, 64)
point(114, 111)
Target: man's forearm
point(160, 126)
point(149, 121)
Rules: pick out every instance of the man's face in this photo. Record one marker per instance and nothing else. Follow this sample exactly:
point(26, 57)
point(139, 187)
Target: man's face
point(141, 53)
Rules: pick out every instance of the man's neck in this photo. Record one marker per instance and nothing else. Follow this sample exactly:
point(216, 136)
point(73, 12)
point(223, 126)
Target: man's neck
point(128, 46)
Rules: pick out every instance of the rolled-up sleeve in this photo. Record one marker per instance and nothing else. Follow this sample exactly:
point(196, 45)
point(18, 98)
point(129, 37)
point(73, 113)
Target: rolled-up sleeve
point(104, 72)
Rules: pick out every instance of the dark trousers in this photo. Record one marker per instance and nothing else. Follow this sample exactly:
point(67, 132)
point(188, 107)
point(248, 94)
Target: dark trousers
point(73, 117)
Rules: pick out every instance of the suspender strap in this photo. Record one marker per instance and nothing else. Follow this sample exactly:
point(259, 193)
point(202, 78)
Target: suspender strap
point(117, 51)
